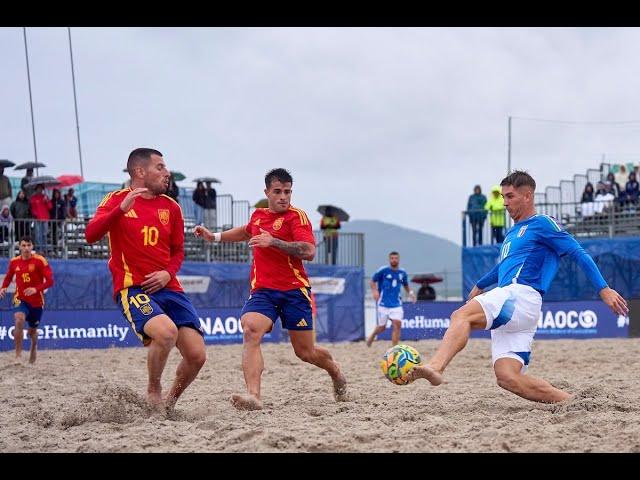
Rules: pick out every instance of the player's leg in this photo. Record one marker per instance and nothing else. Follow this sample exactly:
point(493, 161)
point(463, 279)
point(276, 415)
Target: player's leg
point(33, 335)
point(164, 335)
point(469, 316)
point(18, 331)
point(509, 376)
point(382, 314)
point(254, 326)
point(395, 333)
point(33, 320)
point(191, 346)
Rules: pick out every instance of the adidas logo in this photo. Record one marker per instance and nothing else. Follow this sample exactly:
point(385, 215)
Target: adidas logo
point(302, 323)
point(131, 214)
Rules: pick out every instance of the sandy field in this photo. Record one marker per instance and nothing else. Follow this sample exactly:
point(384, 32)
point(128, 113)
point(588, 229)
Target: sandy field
point(92, 401)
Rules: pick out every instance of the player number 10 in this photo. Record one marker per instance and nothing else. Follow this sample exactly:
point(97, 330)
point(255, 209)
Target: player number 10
point(139, 299)
point(150, 235)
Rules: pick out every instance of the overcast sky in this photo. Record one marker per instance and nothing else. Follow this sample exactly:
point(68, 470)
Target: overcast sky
point(394, 124)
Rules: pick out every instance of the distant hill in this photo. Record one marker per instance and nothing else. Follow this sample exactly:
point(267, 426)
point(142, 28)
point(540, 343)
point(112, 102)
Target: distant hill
point(419, 252)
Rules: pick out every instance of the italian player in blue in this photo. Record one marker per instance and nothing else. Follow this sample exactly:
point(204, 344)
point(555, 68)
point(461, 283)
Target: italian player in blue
point(528, 262)
point(386, 285)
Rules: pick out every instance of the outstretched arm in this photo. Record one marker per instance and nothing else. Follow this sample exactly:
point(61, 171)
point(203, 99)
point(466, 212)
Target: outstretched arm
point(237, 234)
point(303, 250)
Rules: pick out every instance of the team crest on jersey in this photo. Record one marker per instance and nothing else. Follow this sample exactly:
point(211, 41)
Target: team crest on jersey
point(163, 214)
point(277, 225)
point(32, 267)
point(146, 309)
point(522, 230)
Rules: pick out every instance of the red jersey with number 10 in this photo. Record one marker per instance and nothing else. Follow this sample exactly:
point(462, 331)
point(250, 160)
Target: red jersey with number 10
point(146, 239)
point(273, 268)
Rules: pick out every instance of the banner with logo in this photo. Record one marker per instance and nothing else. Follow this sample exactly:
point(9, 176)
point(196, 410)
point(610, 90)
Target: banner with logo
point(583, 319)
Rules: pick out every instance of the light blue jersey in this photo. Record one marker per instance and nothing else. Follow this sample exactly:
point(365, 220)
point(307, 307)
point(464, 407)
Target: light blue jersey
point(531, 252)
point(390, 282)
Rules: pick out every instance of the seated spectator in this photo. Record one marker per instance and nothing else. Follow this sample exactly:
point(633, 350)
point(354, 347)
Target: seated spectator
point(621, 175)
point(586, 207)
point(70, 202)
point(632, 189)
point(426, 292)
point(6, 221)
point(603, 202)
point(615, 186)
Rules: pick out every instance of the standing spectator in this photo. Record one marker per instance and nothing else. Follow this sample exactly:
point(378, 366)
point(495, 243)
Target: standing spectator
point(330, 224)
point(632, 189)
point(622, 175)
point(199, 199)
point(6, 222)
point(40, 207)
point(57, 214)
point(477, 214)
point(26, 179)
point(21, 214)
point(210, 212)
point(174, 190)
point(495, 205)
point(70, 202)
point(5, 189)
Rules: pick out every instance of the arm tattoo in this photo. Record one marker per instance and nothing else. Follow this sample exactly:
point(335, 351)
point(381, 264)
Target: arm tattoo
point(296, 249)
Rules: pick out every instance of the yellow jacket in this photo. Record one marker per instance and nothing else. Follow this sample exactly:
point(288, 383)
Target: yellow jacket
point(495, 206)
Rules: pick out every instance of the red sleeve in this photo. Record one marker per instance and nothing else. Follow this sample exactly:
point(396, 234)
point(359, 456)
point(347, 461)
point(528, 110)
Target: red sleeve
point(301, 229)
point(48, 277)
point(177, 242)
point(108, 211)
point(9, 276)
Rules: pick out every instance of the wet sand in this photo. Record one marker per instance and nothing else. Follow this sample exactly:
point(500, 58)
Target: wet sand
point(93, 401)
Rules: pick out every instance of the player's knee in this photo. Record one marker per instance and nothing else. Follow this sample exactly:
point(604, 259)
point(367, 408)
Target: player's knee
point(196, 358)
point(251, 334)
point(166, 336)
point(458, 317)
point(305, 354)
point(508, 381)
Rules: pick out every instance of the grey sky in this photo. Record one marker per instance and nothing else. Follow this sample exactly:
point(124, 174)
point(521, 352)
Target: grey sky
point(395, 124)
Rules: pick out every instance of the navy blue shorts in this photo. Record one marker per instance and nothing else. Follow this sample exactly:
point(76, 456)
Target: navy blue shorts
point(139, 307)
point(292, 306)
point(32, 314)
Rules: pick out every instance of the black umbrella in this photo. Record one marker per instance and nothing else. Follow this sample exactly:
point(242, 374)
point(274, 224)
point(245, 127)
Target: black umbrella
point(28, 165)
point(178, 176)
point(206, 179)
point(336, 211)
point(4, 163)
point(426, 278)
point(46, 180)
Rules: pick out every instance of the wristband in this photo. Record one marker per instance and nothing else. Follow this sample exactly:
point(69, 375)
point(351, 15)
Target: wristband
point(217, 237)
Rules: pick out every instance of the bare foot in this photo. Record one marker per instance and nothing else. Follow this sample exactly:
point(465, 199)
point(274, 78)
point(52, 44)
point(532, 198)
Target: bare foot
point(246, 401)
point(32, 357)
point(155, 402)
point(426, 372)
point(340, 388)
point(369, 341)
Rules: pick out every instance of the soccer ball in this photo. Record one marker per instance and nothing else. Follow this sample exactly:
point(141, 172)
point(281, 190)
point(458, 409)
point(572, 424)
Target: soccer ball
point(398, 361)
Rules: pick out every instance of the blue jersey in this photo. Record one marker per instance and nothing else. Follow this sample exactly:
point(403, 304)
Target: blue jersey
point(531, 252)
point(389, 283)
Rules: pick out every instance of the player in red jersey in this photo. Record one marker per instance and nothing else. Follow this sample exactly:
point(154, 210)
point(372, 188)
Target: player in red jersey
point(146, 238)
point(33, 277)
point(281, 237)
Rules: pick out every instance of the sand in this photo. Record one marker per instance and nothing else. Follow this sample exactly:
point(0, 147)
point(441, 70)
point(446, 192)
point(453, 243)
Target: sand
point(92, 401)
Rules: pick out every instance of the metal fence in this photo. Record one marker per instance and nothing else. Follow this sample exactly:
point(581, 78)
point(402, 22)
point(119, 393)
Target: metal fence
point(65, 239)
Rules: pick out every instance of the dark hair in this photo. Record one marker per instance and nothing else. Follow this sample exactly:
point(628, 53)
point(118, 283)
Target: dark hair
point(394, 253)
point(26, 238)
point(279, 174)
point(140, 157)
point(517, 179)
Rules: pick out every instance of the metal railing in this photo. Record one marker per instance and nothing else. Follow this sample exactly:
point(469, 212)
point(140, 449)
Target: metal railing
point(65, 239)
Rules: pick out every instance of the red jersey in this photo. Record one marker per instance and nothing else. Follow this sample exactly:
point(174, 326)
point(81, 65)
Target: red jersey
point(32, 273)
point(273, 268)
point(146, 239)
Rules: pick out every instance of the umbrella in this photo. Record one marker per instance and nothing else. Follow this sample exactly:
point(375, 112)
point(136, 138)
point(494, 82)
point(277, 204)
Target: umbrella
point(206, 179)
point(46, 180)
point(425, 278)
point(178, 176)
point(337, 211)
point(28, 165)
point(264, 203)
point(4, 163)
point(68, 180)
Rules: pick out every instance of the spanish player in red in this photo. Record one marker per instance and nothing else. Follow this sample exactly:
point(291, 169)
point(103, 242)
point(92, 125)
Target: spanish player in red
point(33, 277)
point(146, 239)
point(281, 237)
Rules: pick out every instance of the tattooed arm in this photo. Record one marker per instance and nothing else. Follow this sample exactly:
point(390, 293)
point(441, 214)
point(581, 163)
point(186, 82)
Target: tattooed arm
point(303, 250)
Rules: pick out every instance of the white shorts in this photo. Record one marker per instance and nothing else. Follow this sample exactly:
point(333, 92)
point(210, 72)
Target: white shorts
point(389, 313)
point(512, 314)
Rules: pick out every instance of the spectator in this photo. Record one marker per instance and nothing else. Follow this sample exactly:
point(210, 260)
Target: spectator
point(57, 214)
point(477, 214)
point(587, 205)
point(615, 186)
point(495, 205)
point(26, 179)
point(174, 190)
point(603, 201)
point(199, 199)
point(40, 207)
point(622, 175)
point(427, 292)
point(21, 213)
point(631, 189)
point(5, 189)
point(70, 202)
point(210, 219)
point(6, 221)
point(330, 224)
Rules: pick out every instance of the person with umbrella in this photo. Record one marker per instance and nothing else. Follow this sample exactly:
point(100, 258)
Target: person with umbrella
point(25, 180)
point(6, 195)
point(330, 224)
point(173, 191)
point(199, 199)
